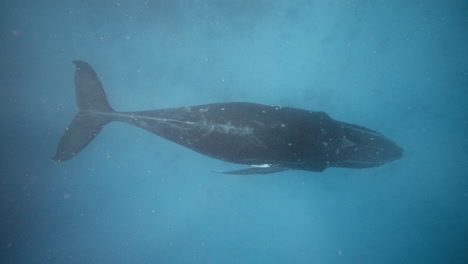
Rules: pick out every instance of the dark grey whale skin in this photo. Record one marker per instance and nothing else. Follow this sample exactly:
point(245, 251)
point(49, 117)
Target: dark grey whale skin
point(270, 138)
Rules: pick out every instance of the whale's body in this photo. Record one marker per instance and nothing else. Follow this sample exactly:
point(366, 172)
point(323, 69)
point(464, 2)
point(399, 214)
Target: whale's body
point(270, 138)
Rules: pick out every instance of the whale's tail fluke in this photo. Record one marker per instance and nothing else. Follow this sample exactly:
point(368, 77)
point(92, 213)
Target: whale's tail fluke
point(94, 113)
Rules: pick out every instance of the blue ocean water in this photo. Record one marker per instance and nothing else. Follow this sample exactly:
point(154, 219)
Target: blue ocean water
point(399, 67)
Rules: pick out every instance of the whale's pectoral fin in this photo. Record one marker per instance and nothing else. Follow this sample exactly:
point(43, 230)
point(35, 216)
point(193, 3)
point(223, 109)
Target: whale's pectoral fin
point(256, 170)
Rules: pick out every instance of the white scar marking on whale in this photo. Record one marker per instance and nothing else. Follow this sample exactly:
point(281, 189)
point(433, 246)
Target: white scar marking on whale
point(210, 127)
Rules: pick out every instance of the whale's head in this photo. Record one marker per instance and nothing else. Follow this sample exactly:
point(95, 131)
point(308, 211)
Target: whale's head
point(360, 147)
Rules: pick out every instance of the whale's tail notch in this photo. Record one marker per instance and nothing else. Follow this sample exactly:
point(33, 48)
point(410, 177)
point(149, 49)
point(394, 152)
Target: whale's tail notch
point(94, 113)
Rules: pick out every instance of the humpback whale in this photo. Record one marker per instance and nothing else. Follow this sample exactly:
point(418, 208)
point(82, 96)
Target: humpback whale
point(269, 138)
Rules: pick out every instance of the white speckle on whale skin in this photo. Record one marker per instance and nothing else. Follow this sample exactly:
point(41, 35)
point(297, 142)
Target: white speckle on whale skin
point(262, 166)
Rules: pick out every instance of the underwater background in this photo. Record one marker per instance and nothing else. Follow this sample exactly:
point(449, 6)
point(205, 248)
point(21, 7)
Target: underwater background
point(396, 66)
